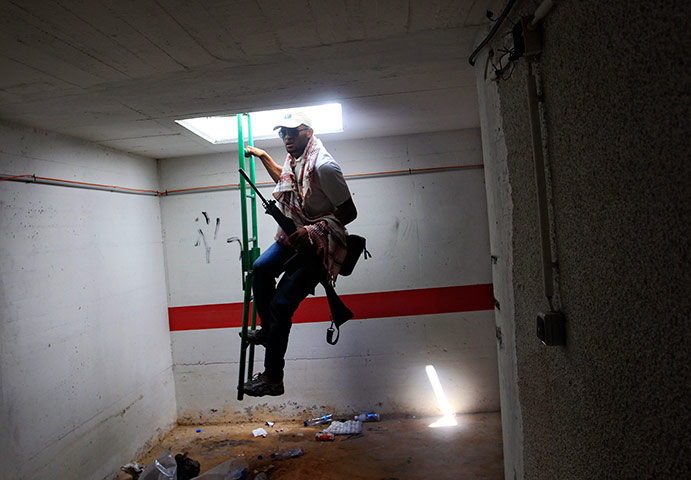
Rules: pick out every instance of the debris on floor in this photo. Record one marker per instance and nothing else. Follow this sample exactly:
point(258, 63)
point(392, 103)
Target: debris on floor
point(324, 437)
point(348, 427)
point(394, 447)
point(292, 453)
point(187, 467)
point(233, 469)
point(321, 420)
point(259, 432)
point(367, 417)
point(180, 467)
point(133, 469)
point(164, 467)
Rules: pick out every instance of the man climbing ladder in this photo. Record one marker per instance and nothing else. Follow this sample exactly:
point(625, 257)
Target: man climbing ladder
point(311, 191)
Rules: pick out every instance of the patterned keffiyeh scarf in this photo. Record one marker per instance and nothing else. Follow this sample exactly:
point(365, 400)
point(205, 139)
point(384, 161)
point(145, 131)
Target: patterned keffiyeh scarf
point(326, 233)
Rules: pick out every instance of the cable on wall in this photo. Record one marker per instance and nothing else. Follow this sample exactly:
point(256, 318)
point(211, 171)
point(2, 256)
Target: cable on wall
point(515, 44)
point(526, 42)
point(551, 324)
point(492, 32)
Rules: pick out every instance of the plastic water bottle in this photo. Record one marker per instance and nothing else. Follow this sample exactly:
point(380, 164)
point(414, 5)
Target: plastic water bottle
point(292, 453)
point(327, 418)
point(164, 467)
point(367, 417)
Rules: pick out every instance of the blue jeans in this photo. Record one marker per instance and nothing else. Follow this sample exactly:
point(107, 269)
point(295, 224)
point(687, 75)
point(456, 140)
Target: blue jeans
point(276, 304)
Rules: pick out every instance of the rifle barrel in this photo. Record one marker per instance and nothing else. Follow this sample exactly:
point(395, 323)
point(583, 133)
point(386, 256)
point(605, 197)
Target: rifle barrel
point(254, 187)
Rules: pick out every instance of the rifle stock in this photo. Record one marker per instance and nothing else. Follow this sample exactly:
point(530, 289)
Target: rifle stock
point(339, 312)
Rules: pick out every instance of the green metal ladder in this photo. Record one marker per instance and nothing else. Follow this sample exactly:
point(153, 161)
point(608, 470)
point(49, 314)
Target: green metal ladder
point(249, 253)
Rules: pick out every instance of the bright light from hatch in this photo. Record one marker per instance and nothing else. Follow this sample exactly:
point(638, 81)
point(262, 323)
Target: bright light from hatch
point(449, 418)
point(224, 129)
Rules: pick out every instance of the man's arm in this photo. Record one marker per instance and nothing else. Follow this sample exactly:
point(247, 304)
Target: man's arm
point(272, 167)
point(346, 212)
point(335, 188)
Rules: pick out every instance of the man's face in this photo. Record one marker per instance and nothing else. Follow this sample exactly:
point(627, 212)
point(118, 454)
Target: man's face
point(295, 139)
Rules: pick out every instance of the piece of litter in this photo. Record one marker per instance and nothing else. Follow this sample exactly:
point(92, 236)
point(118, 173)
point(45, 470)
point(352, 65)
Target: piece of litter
point(198, 431)
point(270, 424)
point(349, 427)
point(133, 469)
point(260, 432)
point(324, 437)
point(292, 453)
point(186, 467)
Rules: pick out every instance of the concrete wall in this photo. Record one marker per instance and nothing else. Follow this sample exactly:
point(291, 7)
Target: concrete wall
point(425, 230)
point(85, 363)
point(613, 402)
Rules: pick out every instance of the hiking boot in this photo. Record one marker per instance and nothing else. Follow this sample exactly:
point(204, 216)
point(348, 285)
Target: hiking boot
point(256, 337)
point(260, 385)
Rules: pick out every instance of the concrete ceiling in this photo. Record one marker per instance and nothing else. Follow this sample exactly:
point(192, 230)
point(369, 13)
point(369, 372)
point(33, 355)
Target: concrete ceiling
point(118, 73)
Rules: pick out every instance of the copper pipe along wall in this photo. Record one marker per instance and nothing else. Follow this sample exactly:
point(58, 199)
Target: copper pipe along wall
point(28, 178)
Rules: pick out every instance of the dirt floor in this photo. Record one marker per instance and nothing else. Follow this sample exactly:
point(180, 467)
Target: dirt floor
point(394, 448)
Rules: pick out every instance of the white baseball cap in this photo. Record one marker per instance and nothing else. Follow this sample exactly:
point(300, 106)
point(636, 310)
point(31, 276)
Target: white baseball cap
point(294, 120)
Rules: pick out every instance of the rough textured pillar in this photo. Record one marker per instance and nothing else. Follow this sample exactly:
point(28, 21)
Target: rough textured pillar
point(613, 402)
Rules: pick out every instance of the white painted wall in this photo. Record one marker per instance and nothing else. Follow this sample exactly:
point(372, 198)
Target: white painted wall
point(85, 363)
point(424, 230)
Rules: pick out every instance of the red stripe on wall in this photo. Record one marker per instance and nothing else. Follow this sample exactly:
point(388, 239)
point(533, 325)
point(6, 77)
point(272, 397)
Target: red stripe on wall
point(424, 301)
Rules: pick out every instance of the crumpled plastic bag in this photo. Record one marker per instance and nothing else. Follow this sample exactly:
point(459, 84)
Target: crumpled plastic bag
point(349, 427)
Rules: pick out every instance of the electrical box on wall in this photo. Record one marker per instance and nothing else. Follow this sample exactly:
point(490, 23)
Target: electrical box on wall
point(527, 40)
point(551, 328)
point(532, 37)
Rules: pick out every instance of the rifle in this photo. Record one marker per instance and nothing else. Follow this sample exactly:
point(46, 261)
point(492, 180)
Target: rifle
point(339, 312)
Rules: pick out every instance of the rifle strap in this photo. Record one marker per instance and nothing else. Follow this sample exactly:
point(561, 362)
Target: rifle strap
point(330, 334)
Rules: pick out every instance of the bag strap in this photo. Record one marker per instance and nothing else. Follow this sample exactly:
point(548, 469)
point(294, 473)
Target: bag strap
point(330, 334)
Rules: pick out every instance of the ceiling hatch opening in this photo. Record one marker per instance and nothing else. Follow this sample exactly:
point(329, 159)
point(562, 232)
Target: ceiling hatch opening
point(224, 129)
